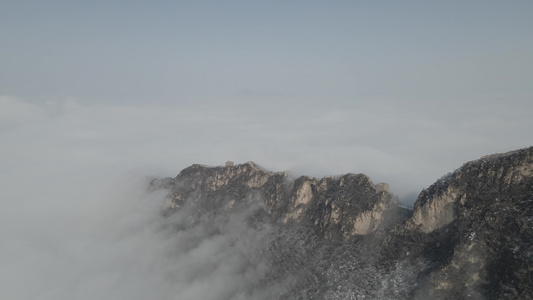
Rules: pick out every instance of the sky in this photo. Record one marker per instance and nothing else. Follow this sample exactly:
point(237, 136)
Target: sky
point(392, 89)
point(97, 95)
point(340, 51)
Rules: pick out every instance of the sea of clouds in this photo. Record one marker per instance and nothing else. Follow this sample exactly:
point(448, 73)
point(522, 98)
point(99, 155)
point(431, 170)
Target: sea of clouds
point(77, 221)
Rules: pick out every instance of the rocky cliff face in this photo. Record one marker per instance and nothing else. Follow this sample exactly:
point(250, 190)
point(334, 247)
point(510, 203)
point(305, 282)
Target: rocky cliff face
point(470, 235)
point(336, 207)
point(475, 228)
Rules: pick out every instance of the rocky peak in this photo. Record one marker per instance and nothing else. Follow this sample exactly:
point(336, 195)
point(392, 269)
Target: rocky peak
point(337, 207)
point(474, 226)
point(469, 236)
point(493, 178)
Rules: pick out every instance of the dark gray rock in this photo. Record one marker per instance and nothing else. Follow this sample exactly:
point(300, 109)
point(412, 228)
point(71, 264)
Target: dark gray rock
point(336, 207)
point(474, 228)
point(469, 236)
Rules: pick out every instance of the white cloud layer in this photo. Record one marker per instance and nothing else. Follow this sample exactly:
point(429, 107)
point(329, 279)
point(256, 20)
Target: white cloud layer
point(76, 221)
point(407, 144)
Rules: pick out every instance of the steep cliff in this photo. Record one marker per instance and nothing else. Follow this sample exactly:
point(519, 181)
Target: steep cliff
point(336, 207)
point(469, 236)
point(475, 229)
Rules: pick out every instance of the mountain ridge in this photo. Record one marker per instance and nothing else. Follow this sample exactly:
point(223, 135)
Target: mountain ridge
point(331, 204)
point(468, 235)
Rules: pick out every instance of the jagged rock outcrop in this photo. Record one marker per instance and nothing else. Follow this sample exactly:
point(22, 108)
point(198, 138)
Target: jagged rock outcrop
point(475, 229)
point(336, 207)
point(469, 236)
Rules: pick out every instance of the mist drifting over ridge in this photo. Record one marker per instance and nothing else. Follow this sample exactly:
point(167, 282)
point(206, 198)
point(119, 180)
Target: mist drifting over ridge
point(77, 221)
point(408, 148)
point(95, 97)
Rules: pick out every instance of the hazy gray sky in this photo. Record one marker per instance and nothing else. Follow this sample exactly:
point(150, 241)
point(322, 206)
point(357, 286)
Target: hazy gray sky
point(94, 95)
point(340, 51)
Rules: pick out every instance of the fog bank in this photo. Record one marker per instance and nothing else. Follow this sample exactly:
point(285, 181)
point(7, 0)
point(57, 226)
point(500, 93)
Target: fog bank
point(77, 222)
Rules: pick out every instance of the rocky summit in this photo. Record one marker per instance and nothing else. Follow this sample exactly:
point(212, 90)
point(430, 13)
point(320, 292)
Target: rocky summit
point(469, 235)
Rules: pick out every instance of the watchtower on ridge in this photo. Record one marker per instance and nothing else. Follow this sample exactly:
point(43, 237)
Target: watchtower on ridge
point(382, 187)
